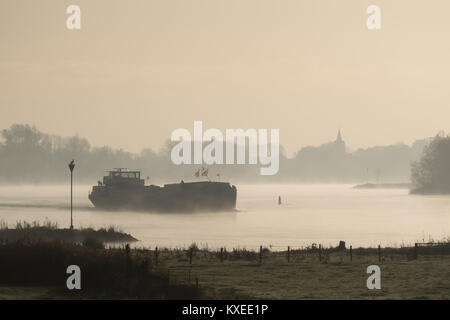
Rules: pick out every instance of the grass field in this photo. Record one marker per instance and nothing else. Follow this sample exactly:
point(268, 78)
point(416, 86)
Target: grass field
point(26, 293)
point(305, 277)
point(36, 270)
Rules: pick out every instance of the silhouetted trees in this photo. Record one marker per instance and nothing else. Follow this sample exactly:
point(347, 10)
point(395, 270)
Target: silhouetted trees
point(431, 174)
point(28, 155)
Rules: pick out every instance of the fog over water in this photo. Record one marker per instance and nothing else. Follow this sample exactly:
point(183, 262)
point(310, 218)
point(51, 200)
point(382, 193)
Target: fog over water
point(309, 214)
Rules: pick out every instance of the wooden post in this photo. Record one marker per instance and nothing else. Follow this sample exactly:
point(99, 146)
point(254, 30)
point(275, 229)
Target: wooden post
point(221, 255)
point(190, 256)
point(416, 251)
point(156, 256)
point(289, 254)
point(320, 252)
point(379, 253)
point(260, 254)
point(351, 253)
point(128, 260)
point(144, 271)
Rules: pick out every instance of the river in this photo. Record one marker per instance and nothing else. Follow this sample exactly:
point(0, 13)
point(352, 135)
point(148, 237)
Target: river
point(318, 213)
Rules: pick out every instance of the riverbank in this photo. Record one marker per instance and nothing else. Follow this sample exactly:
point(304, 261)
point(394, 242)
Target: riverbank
point(50, 232)
point(39, 270)
point(193, 273)
point(383, 186)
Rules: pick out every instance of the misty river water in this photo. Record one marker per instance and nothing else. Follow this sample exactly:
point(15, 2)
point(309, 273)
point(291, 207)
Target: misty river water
point(309, 214)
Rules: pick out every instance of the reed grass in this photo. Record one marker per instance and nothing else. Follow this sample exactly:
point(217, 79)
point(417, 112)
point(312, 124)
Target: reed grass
point(49, 231)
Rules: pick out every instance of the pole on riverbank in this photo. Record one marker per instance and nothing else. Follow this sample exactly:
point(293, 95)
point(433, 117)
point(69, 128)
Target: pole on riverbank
point(260, 254)
point(221, 255)
point(351, 253)
point(289, 254)
point(416, 251)
point(379, 253)
point(128, 261)
point(71, 166)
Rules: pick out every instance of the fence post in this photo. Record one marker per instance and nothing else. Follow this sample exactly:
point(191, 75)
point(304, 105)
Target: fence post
point(379, 253)
point(190, 256)
point(144, 271)
point(221, 255)
point(289, 254)
point(320, 252)
point(416, 251)
point(260, 254)
point(156, 256)
point(128, 260)
point(351, 253)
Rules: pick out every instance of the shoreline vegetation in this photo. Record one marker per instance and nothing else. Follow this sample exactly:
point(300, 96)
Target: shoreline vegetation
point(49, 231)
point(431, 174)
point(35, 259)
point(36, 269)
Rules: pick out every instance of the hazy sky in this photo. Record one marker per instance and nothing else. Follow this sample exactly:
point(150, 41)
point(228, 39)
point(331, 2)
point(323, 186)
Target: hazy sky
point(137, 70)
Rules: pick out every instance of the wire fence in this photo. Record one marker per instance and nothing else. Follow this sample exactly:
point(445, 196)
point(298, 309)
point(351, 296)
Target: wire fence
point(190, 261)
point(291, 253)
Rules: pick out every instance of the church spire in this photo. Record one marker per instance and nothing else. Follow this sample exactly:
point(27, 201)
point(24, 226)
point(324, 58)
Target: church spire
point(339, 137)
point(339, 143)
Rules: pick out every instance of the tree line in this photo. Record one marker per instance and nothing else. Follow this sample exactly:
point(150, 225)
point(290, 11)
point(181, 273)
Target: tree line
point(28, 155)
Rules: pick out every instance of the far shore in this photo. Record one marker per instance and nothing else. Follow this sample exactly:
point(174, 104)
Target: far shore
point(428, 191)
point(398, 185)
point(402, 185)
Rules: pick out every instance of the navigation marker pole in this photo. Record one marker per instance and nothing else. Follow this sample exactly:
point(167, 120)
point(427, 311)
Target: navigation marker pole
point(71, 166)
